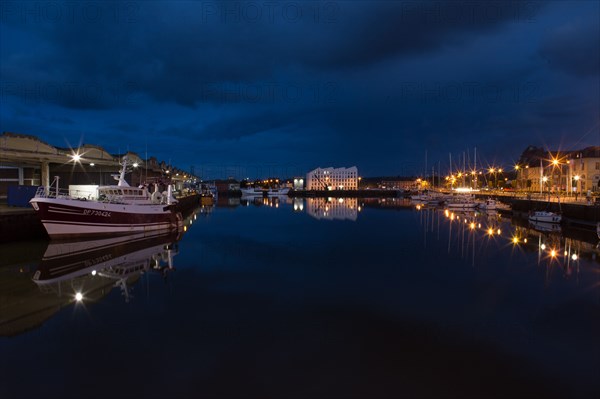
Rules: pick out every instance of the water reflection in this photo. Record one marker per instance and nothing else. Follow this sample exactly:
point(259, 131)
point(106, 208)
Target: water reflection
point(472, 232)
point(82, 270)
point(332, 208)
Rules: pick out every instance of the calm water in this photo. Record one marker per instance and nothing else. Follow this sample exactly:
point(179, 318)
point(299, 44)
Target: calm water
point(306, 299)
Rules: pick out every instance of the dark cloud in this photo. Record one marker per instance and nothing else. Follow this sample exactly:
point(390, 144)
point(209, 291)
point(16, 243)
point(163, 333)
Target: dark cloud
point(575, 47)
point(308, 82)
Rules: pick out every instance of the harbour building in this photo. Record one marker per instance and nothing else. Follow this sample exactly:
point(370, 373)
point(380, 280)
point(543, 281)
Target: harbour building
point(332, 179)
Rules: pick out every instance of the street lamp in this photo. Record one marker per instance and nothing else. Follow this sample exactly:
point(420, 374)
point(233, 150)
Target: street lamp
point(576, 178)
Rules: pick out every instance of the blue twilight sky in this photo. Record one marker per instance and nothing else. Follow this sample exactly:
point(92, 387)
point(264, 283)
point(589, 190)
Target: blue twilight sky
point(277, 88)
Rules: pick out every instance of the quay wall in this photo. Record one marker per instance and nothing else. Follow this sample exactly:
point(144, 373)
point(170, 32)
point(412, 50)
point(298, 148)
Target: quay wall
point(578, 214)
point(21, 225)
point(344, 193)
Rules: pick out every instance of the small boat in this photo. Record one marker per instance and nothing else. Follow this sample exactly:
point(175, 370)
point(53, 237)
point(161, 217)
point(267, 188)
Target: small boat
point(262, 192)
point(253, 192)
point(278, 191)
point(461, 203)
point(117, 209)
point(488, 205)
point(545, 217)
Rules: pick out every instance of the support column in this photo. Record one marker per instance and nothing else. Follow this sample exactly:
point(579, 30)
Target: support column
point(45, 173)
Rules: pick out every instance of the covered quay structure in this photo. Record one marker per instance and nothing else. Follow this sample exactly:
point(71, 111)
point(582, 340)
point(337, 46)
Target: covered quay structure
point(26, 160)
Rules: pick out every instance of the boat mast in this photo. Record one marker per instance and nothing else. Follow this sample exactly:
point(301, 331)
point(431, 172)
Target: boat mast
point(464, 169)
point(541, 177)
point(450, 155)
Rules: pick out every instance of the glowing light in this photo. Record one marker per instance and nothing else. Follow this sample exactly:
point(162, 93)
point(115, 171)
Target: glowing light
point(499, 231)
point(92, 164)
point(79, 297)
point(184, 228)
point(566, 253)
point(447, 213)
point(543, 246)
point(525, 240)
point(491, 231)
point(479, 225)
point(472, 226)
point(94, 272)
point(418, 207)
point(574, 256)
point(135, 164)
point(75, 157)
point(553, 253)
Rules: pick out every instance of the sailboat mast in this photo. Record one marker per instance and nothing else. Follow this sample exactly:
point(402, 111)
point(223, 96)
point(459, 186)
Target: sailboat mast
point(464, 168)
point(475, 166)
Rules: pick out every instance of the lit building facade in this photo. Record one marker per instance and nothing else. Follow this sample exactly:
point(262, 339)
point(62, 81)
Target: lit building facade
point(584, 170)
point(332, 179)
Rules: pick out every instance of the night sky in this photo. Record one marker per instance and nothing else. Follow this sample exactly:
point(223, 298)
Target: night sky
point(251, 89)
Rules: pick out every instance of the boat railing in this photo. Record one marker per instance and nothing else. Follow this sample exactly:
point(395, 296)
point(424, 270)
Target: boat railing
point(76, 195)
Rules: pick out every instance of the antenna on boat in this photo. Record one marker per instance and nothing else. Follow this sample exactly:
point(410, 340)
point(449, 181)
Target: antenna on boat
point(121, 177)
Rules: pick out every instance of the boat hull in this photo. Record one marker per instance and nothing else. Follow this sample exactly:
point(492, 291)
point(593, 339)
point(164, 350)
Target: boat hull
point(65, 218)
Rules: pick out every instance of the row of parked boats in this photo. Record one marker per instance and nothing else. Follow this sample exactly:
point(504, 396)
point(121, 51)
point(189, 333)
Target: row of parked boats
point(457, 202)
point(468, 202)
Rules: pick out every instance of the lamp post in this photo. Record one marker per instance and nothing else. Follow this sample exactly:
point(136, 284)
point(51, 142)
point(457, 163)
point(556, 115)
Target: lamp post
point(576, 178)
point(493, 172)
point(499, 171)
point(556, 163)
point(544, 180)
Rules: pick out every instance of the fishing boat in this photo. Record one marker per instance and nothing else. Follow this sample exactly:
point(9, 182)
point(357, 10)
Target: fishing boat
point(545, 217)
point(115, 210)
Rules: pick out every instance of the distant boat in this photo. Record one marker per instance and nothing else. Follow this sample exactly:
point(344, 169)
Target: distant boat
point(262, 192)
point(488, 205)
point(118, 209)
point(545, 217)
point(460, 202)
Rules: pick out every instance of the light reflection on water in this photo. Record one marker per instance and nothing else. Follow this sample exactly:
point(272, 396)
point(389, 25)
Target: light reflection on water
point(349, 270)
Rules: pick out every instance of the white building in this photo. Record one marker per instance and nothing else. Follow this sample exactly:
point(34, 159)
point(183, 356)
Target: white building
point(332, 179)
